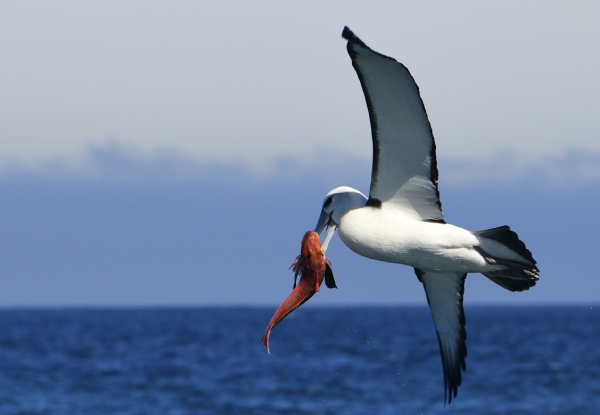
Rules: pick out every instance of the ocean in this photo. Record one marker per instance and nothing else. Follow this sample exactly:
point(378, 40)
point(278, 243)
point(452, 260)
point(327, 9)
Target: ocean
point(346, 360)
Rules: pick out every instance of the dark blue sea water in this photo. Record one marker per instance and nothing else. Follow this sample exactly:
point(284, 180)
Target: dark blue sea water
point(375, 360)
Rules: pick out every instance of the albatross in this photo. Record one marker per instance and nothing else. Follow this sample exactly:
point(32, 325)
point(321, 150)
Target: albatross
point(401, 221)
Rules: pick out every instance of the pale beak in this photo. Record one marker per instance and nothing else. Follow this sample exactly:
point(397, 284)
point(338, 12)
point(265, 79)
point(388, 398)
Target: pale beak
point(323, 222)
point(330, 233)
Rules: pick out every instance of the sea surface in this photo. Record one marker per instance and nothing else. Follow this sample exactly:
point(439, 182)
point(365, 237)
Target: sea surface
point(352, 360)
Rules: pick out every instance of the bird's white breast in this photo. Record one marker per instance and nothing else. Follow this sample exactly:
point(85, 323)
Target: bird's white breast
point(387, 235)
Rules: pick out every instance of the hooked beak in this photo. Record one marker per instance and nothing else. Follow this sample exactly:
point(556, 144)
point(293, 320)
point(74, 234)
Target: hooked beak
point(325, 221)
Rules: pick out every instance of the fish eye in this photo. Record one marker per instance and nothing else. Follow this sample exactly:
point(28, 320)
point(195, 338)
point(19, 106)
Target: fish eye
point(327, 202)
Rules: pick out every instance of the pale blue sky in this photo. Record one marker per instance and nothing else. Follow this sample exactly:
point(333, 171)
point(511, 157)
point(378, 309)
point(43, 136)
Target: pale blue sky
point(159, 153)
point(251, 82)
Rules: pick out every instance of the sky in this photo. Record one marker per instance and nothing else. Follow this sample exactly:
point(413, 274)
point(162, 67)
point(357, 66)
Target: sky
point(156, 153)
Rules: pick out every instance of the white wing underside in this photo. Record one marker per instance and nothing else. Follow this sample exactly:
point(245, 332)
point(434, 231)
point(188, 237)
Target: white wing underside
point(404, 164)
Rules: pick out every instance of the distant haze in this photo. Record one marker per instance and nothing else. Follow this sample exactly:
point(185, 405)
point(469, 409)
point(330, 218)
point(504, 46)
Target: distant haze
point(228, 242)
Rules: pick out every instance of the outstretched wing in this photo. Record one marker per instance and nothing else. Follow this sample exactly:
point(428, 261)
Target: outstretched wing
point(404, 164)
point(444, 292)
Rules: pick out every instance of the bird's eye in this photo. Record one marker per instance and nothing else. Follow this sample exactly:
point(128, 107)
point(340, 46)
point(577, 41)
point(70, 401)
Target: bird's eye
point(327, 202)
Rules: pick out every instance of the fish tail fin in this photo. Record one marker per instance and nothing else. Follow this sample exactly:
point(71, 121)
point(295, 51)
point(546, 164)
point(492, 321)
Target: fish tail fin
point(266, 337)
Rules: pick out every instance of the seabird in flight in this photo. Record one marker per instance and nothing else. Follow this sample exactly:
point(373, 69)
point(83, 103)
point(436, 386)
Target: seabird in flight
point(402, 221)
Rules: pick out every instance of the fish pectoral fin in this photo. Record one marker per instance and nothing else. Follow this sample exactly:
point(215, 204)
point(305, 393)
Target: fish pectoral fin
point(329, 280)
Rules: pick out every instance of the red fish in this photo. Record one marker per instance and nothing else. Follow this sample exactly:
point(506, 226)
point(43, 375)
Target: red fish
point(312, 267)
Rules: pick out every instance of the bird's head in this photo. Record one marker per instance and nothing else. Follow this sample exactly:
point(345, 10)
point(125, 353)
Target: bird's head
point(336, 204)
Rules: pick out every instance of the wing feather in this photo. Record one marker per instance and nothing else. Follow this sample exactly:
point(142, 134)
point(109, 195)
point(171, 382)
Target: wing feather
point(444, 292)
point(404, 170)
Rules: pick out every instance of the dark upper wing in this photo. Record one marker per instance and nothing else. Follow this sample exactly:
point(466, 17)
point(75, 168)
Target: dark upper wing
point(404, 164)
point(444, 292)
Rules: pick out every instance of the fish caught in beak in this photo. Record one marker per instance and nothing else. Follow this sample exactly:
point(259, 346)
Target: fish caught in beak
point(312, 267)
point(326, 222)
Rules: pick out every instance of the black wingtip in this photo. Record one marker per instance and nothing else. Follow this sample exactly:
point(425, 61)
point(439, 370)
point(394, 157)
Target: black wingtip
point(351, 37)
point(347, 33)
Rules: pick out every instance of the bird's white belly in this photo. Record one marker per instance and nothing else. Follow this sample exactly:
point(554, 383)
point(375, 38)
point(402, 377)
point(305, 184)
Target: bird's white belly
point(387, 236)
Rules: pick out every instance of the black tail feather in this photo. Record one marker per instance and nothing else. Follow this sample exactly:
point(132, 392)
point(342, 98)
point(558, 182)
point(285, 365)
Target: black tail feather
point(508, 238)
point(517, 275)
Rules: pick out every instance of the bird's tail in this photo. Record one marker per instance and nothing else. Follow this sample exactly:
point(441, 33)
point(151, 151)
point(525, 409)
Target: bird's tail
point(501, 246)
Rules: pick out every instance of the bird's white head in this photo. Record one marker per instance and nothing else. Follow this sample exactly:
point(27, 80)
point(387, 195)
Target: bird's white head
point(337, 203)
